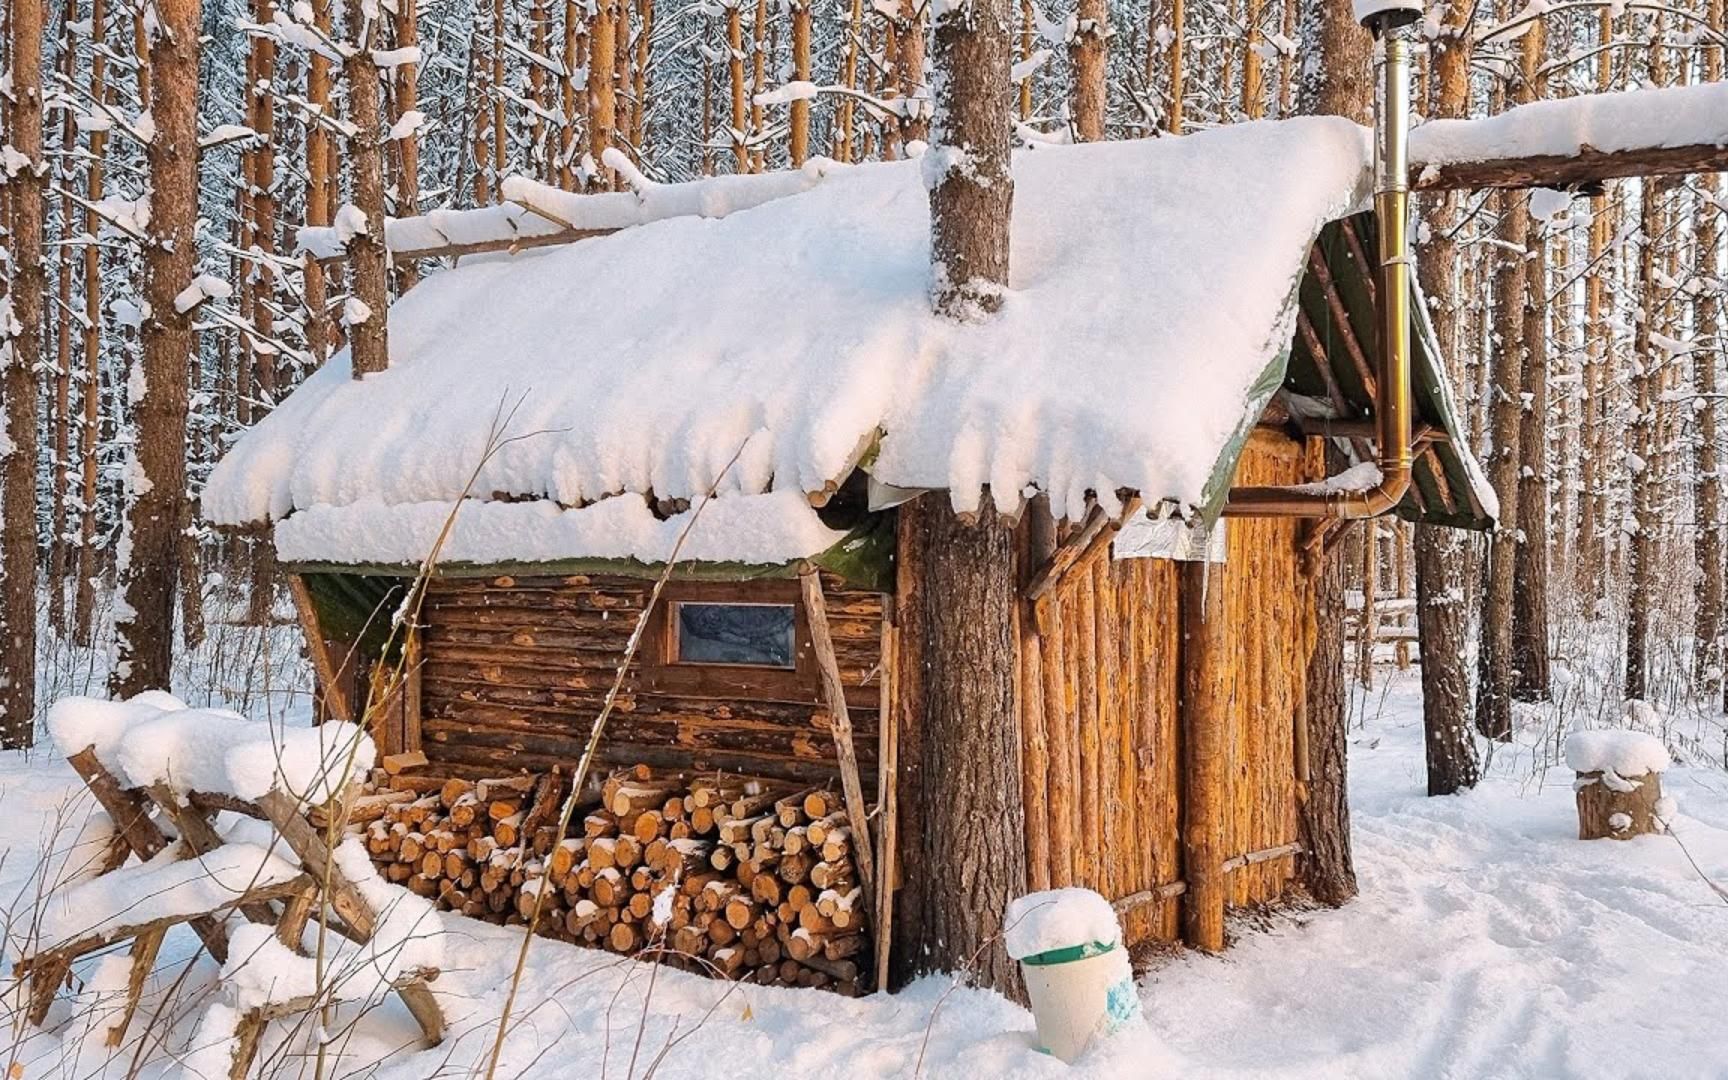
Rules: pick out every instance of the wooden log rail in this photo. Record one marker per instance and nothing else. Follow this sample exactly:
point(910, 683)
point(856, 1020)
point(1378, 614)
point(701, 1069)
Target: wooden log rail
point(1171, 890)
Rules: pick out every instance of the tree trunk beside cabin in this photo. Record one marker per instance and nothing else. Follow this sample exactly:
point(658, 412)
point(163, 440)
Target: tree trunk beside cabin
point(368, 337)
point(21, 339)
point(144, 626)
point(972, 194)
point(964, 827)
point(1337, 81)
point(962, 832)
point(1442, 553)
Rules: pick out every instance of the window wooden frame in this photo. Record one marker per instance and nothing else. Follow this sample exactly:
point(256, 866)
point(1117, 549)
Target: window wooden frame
point(663, 673)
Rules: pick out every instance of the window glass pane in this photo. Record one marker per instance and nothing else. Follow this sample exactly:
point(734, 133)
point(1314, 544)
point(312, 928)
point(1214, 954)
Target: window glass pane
point(757, 634)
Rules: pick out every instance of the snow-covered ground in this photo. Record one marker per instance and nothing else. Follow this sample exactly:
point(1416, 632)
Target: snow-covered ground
point(1487, 942)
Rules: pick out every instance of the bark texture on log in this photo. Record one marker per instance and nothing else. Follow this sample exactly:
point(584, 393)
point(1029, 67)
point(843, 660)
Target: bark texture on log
point(1494, 656)
point(1617, 807)
point(145, 630)
point(962, 822)
point(20, 353)
point(968, 166)
point(1442, 555)
point(1205, 738)
point(369, 335)
point(1338, 81)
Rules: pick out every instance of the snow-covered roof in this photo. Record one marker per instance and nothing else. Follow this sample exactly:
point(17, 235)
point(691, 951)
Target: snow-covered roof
point(1151, 296)
point(1626, 120)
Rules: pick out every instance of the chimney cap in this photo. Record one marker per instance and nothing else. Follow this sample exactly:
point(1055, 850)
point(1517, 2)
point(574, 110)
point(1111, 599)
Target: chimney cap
point(1378, 15)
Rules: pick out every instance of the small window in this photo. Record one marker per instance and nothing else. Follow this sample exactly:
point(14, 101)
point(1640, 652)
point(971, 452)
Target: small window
point(755, 635)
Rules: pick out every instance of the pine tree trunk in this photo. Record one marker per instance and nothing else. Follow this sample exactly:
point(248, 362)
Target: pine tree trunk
point(1707, 545)
point(319, 188)
point(1327, 868)
point(972, 196)
point(20, 353)
point(962, 823)
point(1338, 82)
point(145, 623)
point(1087, 54)
point(90, 395)
point(1494, 676)
point(1530, 681)
point(909, 73)
point(1442, 553)
point(59, 559)
point(799, 145)
point(405, 98)
point(1641, 571)
point(368, 336)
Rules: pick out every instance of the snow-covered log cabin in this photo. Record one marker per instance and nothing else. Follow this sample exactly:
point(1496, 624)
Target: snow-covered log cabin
point(1186, 316)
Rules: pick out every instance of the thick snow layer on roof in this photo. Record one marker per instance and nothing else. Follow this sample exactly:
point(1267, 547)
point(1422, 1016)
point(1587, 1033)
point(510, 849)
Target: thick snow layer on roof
point(1628, 120)
point(155, 739)
point(1151, 289)
point(764, 529)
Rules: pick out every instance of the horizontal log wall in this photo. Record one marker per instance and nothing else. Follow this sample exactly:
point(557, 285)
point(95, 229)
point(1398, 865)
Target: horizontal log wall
point(1099, 692)
point(516, 670)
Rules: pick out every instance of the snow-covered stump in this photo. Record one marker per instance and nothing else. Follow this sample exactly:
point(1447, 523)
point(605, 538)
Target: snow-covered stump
point(1619, 783)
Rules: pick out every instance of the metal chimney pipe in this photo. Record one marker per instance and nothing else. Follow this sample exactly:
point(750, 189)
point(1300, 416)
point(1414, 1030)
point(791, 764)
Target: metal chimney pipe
point(1393, 404)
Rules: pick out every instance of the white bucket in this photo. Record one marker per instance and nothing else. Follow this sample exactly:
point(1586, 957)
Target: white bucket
point(1076, 1000)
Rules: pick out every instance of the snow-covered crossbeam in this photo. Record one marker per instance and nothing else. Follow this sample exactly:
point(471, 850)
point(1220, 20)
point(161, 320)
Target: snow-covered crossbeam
point(536, 214)
point(165, 889)
point(155, 739)
point(1578, 140)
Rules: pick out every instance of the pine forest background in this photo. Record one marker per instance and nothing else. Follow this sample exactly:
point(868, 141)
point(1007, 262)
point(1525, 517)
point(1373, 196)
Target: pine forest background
point(1583, 333)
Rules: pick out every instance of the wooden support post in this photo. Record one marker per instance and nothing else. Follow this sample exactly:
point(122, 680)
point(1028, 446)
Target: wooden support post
point(1203, 716)
point(816, 610)
point(887, 802)
point(336, 702)
point(346, 899)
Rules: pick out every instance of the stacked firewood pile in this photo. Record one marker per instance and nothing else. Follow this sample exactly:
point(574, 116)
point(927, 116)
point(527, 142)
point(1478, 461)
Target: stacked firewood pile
point(738, 878)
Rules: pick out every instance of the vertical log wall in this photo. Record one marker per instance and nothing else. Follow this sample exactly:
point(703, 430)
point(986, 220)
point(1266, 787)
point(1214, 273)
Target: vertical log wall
point(1102, 676)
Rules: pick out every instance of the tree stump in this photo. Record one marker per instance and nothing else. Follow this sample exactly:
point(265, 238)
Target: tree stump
point(1619, 784)
point(1617, 807)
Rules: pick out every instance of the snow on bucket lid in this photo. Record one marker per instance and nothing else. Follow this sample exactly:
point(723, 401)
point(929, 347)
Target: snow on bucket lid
point(1627, 753)
point(1075, 923)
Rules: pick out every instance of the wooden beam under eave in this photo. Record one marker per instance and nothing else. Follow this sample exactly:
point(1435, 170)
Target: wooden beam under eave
point(1341, 318)
point(1586, 168)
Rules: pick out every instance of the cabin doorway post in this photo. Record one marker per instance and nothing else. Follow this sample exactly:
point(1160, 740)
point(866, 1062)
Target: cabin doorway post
point(1202, 717)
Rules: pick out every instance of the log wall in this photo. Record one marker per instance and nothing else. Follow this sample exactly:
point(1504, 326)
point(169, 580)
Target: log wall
point(516, 669)
point(1269, 605)
point(1100, 685)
